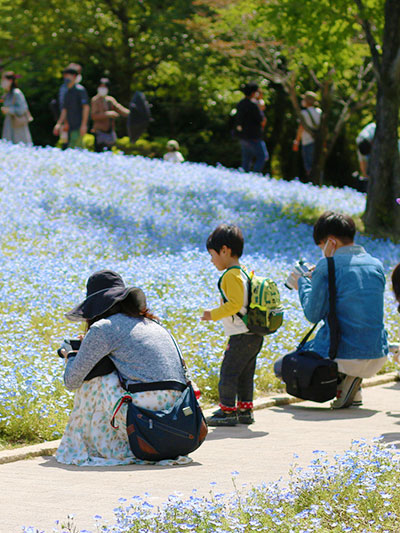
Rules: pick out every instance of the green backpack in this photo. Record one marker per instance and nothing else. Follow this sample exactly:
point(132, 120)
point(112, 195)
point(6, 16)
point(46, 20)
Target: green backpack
point(264, 311)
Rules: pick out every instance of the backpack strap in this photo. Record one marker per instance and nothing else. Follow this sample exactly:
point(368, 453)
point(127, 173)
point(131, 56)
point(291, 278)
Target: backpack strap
point(225, 299)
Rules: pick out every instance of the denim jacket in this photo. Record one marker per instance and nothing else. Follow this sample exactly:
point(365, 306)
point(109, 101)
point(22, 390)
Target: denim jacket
point(360, 285)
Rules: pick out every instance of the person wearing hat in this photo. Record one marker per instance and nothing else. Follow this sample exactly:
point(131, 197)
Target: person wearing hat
point(16, 111)
point(105, 109)
point(120, 326)
point(173, 155)
point(250, 121)
point(75, 108)
point(312, 117)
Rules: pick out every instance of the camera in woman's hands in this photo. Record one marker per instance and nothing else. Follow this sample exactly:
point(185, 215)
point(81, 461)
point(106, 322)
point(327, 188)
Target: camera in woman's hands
point(71, 345)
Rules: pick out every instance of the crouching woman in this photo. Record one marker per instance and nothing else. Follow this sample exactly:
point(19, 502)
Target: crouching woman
point(119, 326)
point(360, 285)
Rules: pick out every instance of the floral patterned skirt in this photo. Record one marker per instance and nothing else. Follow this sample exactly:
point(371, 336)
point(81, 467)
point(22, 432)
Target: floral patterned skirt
point(90, 440)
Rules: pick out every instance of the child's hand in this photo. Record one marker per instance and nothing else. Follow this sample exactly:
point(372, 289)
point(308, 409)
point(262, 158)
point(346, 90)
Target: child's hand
point(206, 315)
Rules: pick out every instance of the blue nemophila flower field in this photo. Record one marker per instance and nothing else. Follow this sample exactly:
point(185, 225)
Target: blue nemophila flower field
point(66, 214)
point(359, 491)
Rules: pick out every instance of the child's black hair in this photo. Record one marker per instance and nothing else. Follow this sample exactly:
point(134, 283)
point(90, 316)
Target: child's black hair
point(227, 235)
point(336, 224)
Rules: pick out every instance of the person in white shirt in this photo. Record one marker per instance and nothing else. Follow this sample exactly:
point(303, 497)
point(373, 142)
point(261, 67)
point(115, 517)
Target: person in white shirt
point(173, 155)
point(312, 117)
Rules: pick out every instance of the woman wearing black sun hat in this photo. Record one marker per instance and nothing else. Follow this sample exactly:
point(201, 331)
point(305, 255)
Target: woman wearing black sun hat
point(120, 326)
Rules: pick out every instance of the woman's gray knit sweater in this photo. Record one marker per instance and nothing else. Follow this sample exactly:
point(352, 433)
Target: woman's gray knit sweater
point(141, 349)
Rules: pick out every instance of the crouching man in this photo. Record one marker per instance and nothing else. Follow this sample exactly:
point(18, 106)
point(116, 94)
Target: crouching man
point(360, 285)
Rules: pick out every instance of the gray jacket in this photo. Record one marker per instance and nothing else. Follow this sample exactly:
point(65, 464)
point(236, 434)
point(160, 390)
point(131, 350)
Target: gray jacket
point(15, 101)
point(142, 350)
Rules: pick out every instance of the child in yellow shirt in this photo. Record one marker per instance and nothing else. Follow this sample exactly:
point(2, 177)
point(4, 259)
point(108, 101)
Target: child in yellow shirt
point(225, 245)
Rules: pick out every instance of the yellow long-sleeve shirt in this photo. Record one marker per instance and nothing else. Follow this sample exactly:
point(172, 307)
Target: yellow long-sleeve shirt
point(234, 287)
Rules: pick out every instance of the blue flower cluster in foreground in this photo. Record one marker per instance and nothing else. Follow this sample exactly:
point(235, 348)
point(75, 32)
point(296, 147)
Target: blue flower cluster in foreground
point(65, 214)
point(357, 492)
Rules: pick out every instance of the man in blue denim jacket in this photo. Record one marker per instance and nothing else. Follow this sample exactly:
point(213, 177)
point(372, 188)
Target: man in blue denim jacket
point(360, 285)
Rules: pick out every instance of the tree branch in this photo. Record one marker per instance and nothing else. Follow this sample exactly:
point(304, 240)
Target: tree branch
point(366, 26)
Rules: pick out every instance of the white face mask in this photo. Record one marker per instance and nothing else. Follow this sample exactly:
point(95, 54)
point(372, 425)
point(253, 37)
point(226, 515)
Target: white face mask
point(78, 78)
point(6, 84)
point(102, 91)
point(324, 249)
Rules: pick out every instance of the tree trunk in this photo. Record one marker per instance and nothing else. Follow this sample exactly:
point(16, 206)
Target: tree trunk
point(321, 136)
point(382, 215)
point(319, 159)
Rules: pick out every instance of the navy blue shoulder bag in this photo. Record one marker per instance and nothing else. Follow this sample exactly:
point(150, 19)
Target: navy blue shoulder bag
point(157, 435)
point(307, 374)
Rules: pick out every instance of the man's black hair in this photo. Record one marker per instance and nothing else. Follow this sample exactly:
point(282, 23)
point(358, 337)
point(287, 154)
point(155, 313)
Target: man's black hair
point(249, 88)
point(336, 224)
point(365, 147)
point(227, 235)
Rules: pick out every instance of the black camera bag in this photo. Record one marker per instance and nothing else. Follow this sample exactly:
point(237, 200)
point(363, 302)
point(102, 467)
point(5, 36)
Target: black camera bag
point(307, 374)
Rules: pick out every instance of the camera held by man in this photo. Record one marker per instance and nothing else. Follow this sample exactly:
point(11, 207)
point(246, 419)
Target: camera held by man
point(301, 268)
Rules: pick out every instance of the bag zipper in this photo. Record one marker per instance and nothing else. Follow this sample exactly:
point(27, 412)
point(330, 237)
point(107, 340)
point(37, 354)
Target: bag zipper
point(155, 423)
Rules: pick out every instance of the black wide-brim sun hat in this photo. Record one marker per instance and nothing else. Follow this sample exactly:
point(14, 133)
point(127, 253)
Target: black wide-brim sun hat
point(104, 289)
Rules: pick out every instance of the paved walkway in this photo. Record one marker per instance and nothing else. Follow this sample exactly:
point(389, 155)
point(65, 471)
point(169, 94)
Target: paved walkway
point(38, 491)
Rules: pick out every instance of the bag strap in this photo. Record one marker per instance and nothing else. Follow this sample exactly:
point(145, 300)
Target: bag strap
point(333, 323)
point(159, 385)
point(306, 337)
point(314, 124)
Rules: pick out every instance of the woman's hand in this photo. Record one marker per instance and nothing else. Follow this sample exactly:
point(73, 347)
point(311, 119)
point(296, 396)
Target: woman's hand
point(206, 315)
point(5, 110)
point(65, 354)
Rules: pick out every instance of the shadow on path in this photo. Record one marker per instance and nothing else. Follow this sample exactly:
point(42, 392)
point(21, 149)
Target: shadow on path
point(50, 462)
point(391, 438)
point(235, 432)
point(324, 414)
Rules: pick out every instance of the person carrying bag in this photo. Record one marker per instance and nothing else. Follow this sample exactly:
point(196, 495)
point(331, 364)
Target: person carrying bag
point(306, 373)
point(357, 311)
point(166, 433)
point(147, 372)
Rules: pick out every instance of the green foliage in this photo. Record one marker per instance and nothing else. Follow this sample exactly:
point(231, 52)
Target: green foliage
point(176, 55)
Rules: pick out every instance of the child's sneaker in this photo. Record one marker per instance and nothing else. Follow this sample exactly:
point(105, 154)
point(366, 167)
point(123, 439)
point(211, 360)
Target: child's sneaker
point(245, 416)
point(222, 418)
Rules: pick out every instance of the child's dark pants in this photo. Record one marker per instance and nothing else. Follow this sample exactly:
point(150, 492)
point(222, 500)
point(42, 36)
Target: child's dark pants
point(237, 370)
